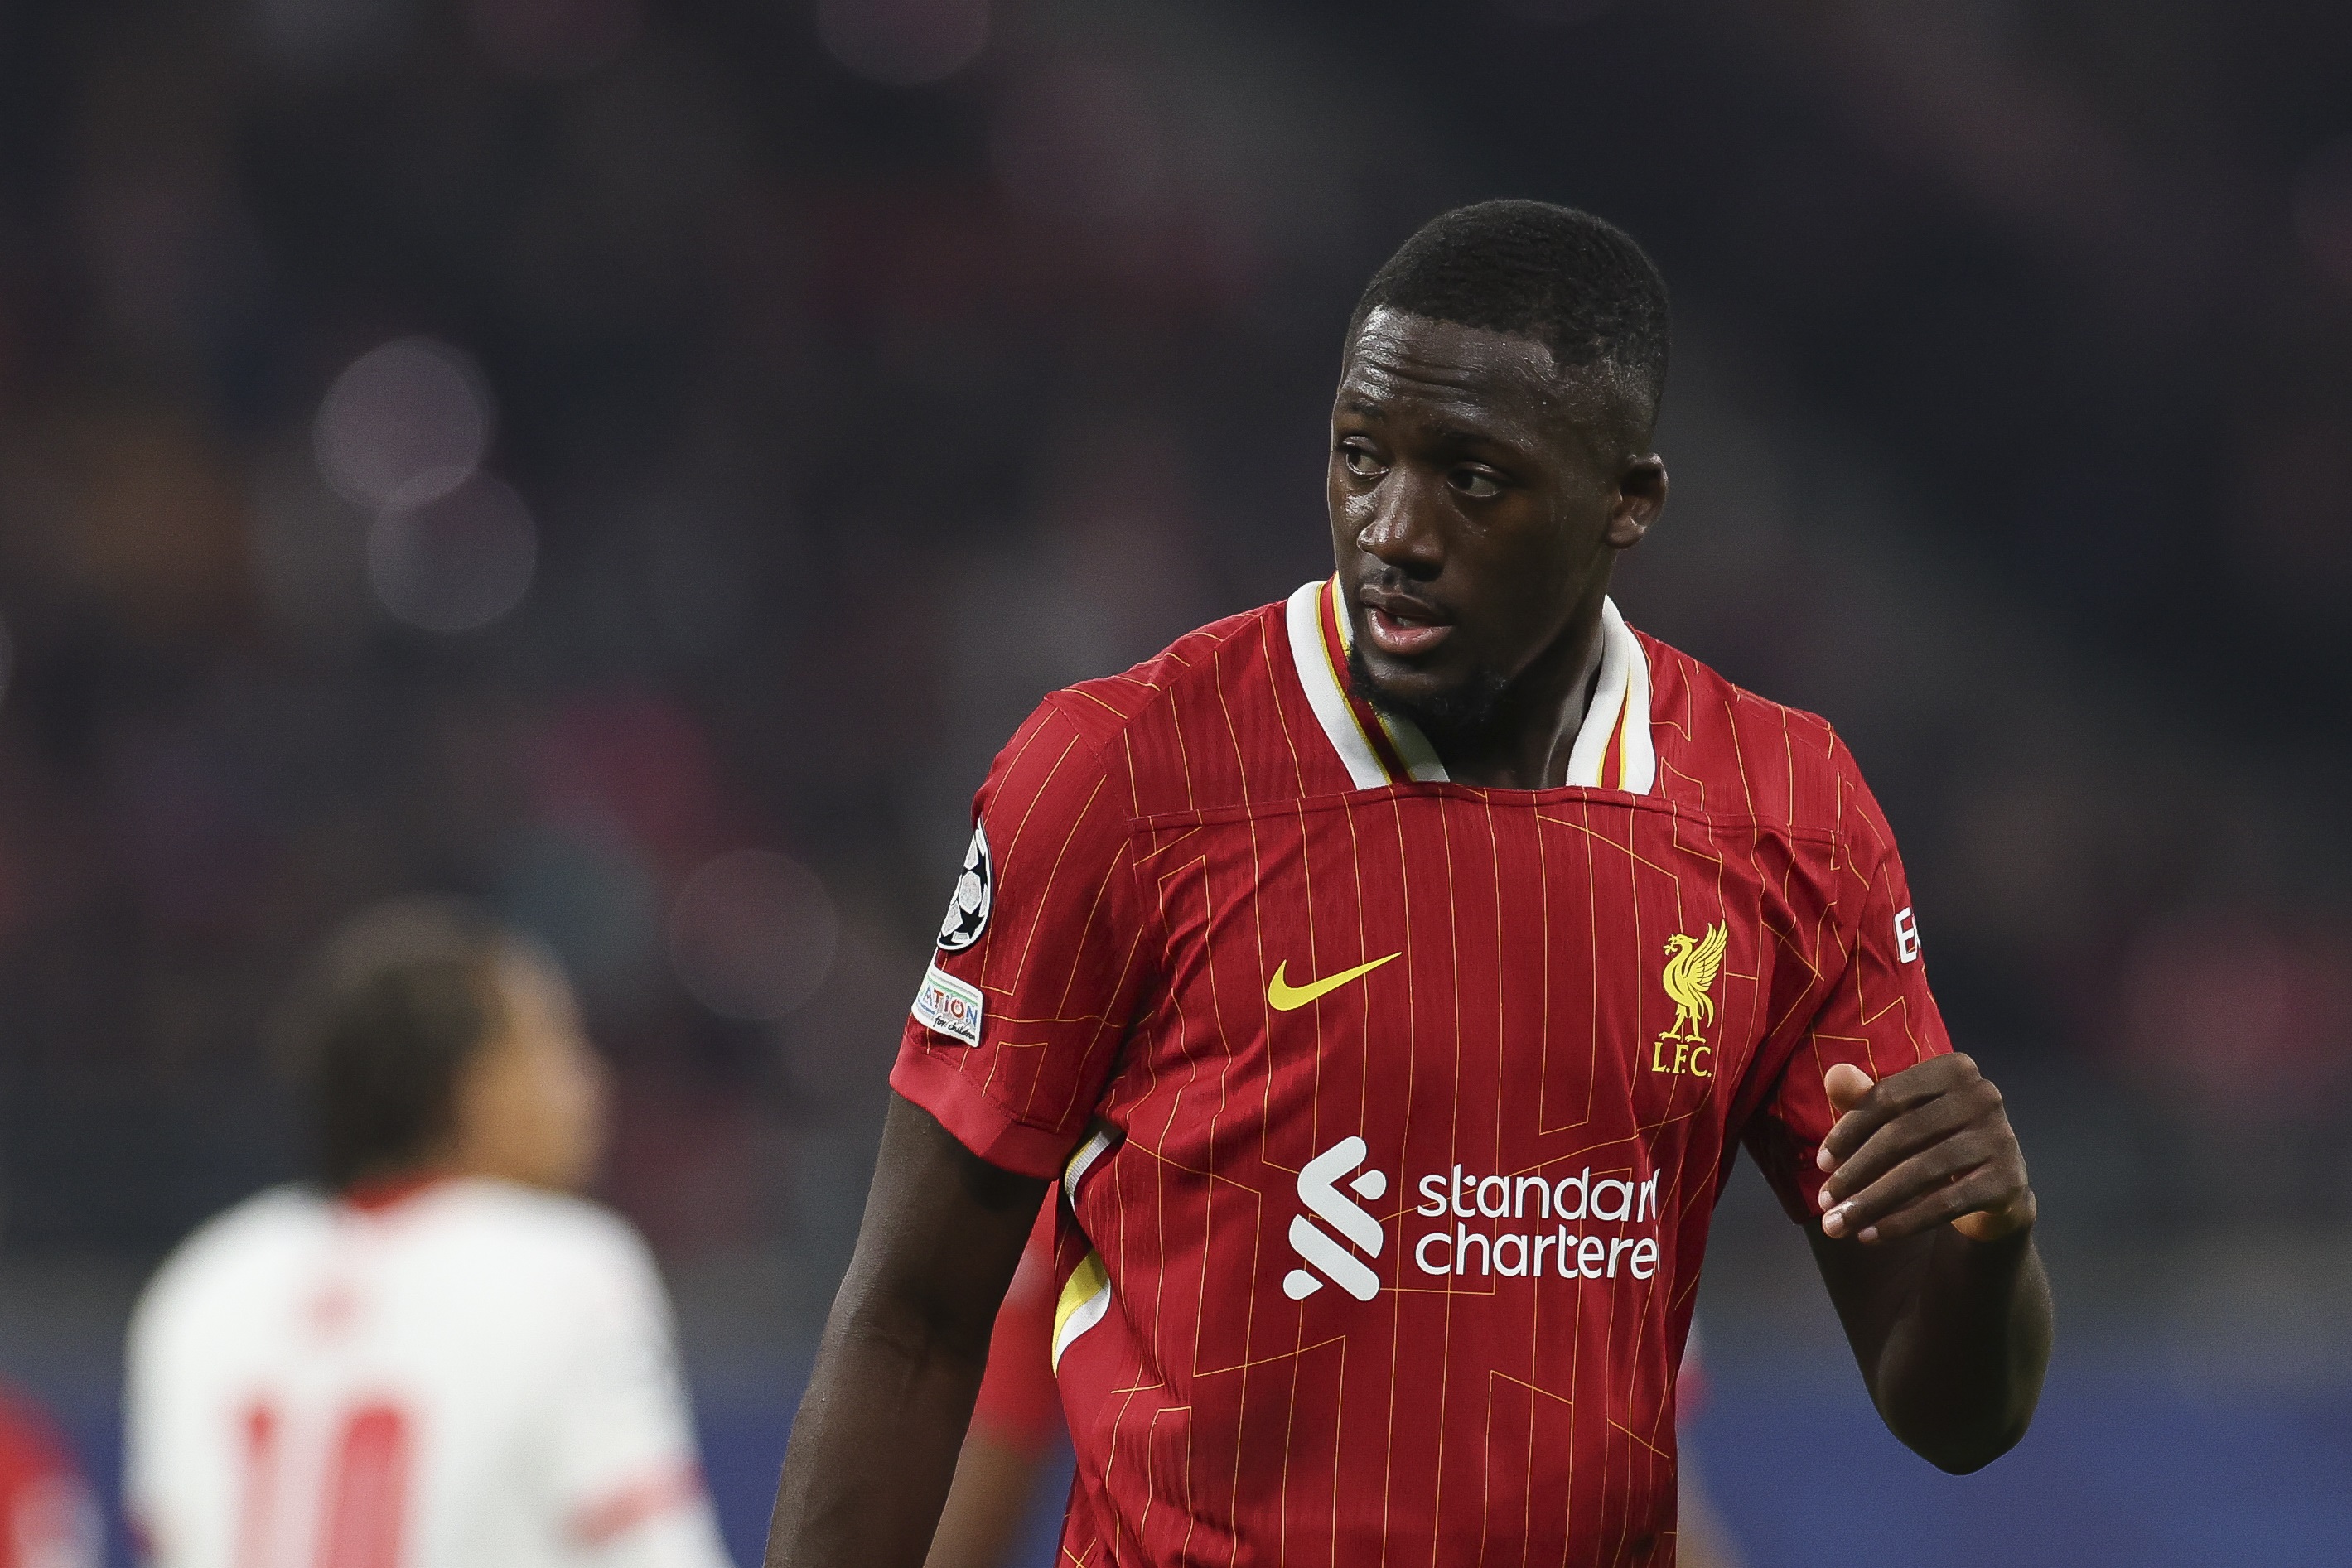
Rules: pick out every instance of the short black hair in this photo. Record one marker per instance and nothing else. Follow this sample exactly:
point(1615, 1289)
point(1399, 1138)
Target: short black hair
point(1575, 283)
point(396, 1004)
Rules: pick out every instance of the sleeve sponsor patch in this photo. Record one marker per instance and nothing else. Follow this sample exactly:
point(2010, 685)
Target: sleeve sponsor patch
point(946, 1006)
point(1907, 935)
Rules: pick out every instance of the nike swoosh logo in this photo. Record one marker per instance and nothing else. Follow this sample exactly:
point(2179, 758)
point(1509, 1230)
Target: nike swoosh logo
point(1286, 996)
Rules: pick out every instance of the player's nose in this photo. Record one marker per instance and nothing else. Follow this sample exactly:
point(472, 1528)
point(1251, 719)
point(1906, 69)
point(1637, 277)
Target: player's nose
point(1404, 530)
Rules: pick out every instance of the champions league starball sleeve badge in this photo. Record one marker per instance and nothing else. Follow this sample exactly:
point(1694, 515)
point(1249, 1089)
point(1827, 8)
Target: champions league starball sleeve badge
point(975, 889)
point(945, 1004)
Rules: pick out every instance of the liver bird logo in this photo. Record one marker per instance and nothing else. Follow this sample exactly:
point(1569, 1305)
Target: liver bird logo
point(1689, 975)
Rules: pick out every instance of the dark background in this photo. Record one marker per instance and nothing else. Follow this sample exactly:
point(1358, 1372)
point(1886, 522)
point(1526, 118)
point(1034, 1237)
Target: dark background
point(635, 461)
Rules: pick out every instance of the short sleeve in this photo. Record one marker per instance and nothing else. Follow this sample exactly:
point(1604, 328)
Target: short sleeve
point(1019, 1403)
point(1040, 960)
point(627, 1479)
point(1876, 1010)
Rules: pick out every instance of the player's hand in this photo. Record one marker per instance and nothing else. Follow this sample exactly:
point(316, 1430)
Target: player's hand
point(1925, 1146)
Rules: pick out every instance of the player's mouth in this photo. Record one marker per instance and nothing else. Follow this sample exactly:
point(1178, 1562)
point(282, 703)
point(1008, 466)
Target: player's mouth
point(1402, 627)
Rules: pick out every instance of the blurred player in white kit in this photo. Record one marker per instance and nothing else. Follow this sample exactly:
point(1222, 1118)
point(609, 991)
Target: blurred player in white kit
point(438, 1358)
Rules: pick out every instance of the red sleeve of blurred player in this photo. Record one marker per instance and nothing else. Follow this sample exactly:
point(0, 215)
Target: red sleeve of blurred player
point(1020, 1405)
point(49, 1517)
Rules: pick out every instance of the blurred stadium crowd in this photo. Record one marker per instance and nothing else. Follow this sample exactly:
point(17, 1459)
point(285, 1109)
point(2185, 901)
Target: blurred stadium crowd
point(635, 463)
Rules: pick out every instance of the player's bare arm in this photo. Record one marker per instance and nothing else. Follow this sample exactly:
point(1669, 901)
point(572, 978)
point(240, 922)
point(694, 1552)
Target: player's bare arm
point(874, 1446)
point(1926, 1245)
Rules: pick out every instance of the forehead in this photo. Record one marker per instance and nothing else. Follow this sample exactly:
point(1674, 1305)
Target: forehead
point(1407, 366)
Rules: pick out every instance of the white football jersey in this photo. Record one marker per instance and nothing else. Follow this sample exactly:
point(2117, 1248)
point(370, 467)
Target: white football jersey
point(476, 1376)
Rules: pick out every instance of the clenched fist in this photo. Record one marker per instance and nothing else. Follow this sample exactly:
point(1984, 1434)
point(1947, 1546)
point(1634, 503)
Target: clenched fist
point(1925, 1146)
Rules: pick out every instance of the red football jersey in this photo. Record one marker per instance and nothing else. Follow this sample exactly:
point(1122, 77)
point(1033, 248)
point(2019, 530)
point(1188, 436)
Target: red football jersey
point(1389, 1111)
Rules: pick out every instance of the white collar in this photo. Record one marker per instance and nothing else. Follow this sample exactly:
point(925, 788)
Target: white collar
point(1612, 747)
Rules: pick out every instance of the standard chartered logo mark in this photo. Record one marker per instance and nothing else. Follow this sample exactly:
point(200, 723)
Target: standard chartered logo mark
point(1318, 1191)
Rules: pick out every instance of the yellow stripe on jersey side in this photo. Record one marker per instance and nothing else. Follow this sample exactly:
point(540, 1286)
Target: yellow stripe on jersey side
point(1093, 1148)
point(1085, 1297)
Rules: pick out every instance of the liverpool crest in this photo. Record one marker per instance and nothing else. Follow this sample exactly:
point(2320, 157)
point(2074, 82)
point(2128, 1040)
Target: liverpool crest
point(1689, 978)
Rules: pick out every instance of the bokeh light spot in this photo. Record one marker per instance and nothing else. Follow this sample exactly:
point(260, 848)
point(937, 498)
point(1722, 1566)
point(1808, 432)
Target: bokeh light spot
point(903, 42)
point(752, 935)
point(458, 561)
point(404, 423)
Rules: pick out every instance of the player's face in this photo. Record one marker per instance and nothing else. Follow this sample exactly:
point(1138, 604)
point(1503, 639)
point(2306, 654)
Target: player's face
point(1477, 505)
point(531, 1103)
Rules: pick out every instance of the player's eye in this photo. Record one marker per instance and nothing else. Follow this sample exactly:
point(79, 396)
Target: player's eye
point(1360, 460)
point(1475, 483)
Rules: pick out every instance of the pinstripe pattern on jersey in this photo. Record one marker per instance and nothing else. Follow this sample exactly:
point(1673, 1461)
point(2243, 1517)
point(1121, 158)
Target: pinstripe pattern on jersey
point(1167, 838)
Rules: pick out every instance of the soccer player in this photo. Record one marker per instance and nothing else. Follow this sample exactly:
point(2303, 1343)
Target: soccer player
point(1388, 976)
point(439, 1359)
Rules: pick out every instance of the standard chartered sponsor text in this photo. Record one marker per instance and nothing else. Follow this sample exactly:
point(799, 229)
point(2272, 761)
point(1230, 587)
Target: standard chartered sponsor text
point(1554, 1248)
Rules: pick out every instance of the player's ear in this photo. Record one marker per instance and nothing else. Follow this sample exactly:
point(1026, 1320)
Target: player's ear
point(1641, 497)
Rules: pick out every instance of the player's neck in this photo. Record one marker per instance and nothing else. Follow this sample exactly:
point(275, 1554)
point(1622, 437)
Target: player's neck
point(1527, 740)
